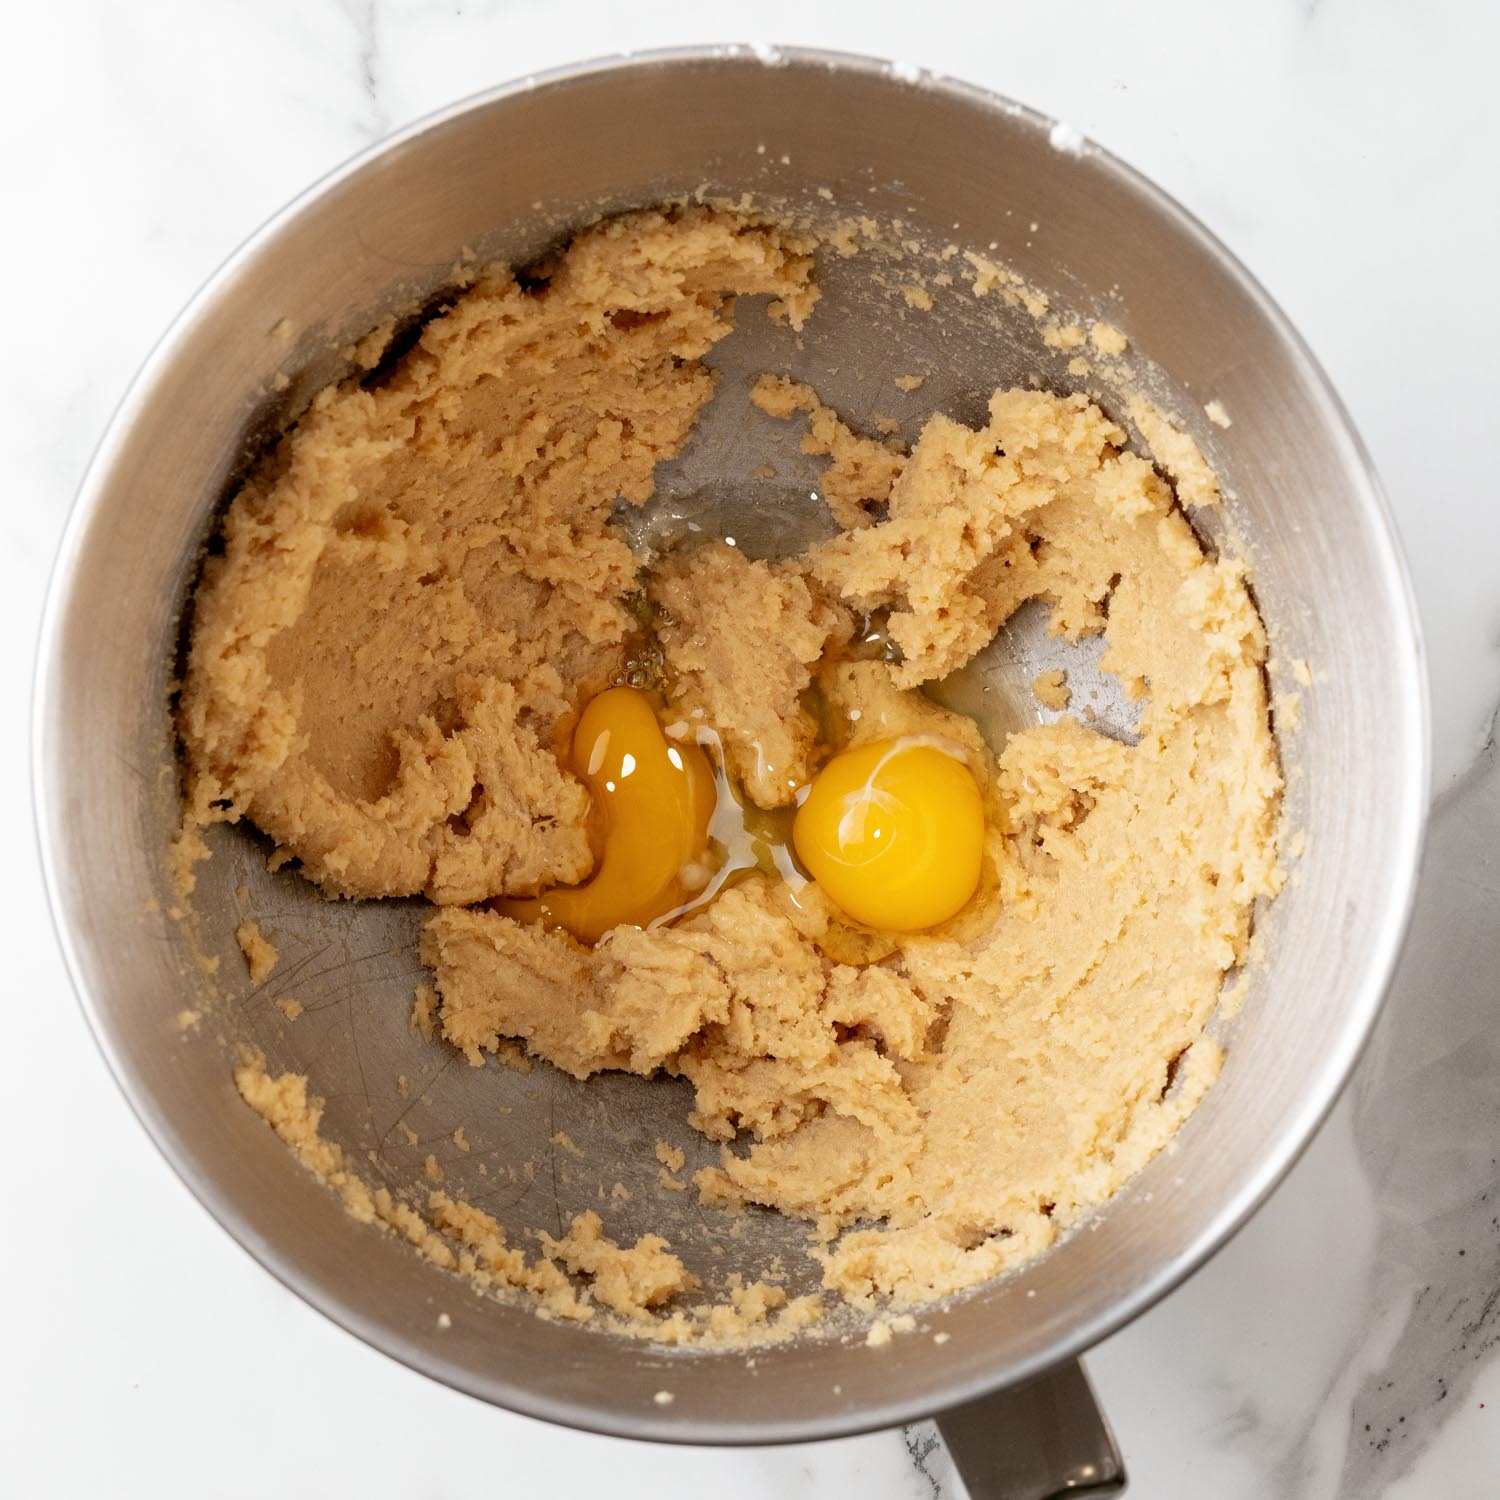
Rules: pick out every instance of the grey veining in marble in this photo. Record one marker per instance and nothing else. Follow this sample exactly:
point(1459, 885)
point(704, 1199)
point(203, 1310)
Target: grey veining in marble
point(1427, 1119)
point(364, 16)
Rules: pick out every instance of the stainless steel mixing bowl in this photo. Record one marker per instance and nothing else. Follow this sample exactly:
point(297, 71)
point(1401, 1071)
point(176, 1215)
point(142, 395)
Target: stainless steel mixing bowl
point(505, 174)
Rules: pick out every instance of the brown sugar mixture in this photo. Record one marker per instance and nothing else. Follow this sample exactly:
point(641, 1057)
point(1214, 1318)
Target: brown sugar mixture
point(423, 587)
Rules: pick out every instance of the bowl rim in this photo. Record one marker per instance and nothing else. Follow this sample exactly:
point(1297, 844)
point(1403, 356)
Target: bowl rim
point(1360, 1012)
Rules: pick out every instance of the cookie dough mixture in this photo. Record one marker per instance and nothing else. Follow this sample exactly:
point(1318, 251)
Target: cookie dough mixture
point(421, 588)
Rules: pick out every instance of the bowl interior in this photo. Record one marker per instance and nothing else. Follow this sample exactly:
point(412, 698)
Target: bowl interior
point(506, 177)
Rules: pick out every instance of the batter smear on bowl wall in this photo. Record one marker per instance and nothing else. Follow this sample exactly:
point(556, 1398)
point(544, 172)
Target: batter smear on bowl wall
point(694, 813)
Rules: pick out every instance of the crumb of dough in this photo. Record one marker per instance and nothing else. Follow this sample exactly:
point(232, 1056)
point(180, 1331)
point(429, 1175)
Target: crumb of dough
point(670, 1184)
point(749, 1306)
point(1216, 414)
point(188, 1020)
point(620, 1193)
point(403, 1086)
point(989, 276)
point(484, 1256)
point(368, 351)
point(424, 1009)
point(671, 1157)
point(432, 1169)
point(664, 1398)
point(1177, 453)
point(260, 953)
point(1079, 368)
point(942, 1337)
point(1060, 335)
point(842, 239)
point(629, 1281)
point(460, 1139)
point(764, 471)
point(1287, 707)
point(565, 1142)
point(444, 1321)
point(513, 1056)
point(888, 1328)
point(1301, 671)
point(886, 426)
point(281, 381)
point(410, 1135)
point(910, 382)
point(1232, 998)
point(282, 331)
point(1052, 690)
point(861, 470)
point(1297, 845)
point(1108, 339)
point(382, 655)
point(185, 851)
point(740, 648)
point(290, 1008)
point(283, 1102)
point(917, 297)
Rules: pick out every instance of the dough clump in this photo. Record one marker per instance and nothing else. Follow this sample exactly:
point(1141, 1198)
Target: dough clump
point(419, 591)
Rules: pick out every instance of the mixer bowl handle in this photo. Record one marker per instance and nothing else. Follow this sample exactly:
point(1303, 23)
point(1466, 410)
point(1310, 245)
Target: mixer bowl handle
point(1043, 1440)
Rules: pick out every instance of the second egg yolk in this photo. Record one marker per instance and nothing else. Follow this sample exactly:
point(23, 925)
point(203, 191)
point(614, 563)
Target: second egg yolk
point(894, 833)
point(652, 800)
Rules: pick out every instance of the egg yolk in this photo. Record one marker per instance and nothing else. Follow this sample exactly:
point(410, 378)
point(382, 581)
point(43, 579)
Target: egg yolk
point(651, 803)
point(894, 833)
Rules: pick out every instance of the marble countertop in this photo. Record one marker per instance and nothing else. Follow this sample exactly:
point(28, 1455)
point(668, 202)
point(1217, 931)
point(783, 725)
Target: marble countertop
point(1345, 1343)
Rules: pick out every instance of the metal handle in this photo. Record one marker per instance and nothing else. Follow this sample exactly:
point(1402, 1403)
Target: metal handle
point(1045, 1440)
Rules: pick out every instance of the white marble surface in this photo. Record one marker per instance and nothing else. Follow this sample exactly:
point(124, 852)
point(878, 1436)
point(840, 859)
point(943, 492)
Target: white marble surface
point(1344, 1344)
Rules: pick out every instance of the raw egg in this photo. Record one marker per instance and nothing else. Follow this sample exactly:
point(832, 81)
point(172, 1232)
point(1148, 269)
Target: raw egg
point(894, 833)
point(651, 803)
